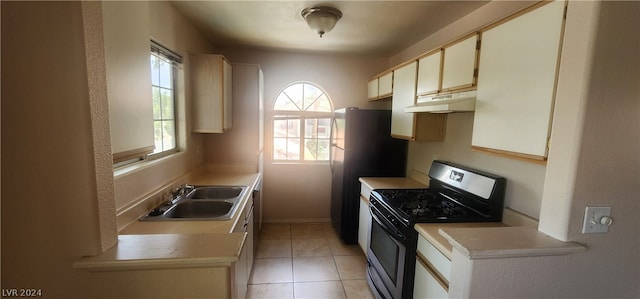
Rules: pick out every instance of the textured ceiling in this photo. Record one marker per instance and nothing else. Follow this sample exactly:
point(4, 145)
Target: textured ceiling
point(366, 28)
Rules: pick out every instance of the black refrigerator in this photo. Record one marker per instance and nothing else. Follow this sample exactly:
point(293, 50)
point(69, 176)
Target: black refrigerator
point(361, 146)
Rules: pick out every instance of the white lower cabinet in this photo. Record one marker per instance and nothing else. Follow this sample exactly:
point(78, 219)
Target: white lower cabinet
point(363, 224)
point(432, 272)
point(364, 218)
point(242, 268)
point(426, 285)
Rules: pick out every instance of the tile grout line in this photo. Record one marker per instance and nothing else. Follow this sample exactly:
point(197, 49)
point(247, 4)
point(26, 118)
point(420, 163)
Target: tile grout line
point(326, 239)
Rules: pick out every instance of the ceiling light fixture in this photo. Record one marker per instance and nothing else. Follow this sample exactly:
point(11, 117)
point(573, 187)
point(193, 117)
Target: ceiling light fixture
point(321, 19)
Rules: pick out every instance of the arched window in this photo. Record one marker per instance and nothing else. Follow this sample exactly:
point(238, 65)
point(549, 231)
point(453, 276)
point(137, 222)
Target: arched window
point(302, 123)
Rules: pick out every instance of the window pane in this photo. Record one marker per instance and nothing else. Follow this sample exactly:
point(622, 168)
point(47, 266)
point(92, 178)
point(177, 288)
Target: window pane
point(155, 70)
point(323, 149)
point(168, 135)
point(311, 94)
point(167, 103)
point(310, 127)
point(157, 114)
point(324, 128)
point(157, 134)
point(294, 92)
point(166, 75)
point(310, 149)
point(280, 148)
point(293, 146)
point(322, 104)
point(284, 103)
point(280, 128)
point(293, 127)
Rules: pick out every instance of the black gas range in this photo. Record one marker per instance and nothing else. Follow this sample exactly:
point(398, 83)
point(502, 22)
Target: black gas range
point(455, 194)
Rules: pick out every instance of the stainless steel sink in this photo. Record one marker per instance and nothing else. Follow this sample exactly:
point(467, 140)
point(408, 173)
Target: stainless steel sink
point(200, 209)
point(215, 192)
point(200, 203)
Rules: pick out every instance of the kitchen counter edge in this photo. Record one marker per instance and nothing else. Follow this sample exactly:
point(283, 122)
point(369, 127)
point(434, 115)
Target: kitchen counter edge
point(506, 242)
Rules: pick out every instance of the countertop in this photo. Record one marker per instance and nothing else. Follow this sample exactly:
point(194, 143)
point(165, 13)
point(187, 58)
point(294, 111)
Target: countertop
point(431, 232)
point(179, 244)
point(485, 240)
point(164, 251)
point(506, 242)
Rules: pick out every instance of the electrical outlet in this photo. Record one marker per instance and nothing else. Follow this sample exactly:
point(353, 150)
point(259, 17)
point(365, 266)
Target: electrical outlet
point(596, 220)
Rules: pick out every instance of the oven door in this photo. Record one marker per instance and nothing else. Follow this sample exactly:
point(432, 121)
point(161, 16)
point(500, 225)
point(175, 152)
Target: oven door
point(385, 258)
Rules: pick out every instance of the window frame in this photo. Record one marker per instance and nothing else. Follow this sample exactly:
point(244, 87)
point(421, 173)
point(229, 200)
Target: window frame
point(175, 61)
point(302, 116)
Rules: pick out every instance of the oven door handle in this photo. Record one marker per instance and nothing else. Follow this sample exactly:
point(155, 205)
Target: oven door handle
point(396, 234)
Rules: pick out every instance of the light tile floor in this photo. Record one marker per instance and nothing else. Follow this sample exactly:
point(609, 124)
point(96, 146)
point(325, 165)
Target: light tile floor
point(306, 260)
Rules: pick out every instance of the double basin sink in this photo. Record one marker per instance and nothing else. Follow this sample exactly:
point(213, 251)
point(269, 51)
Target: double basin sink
point(200, 203)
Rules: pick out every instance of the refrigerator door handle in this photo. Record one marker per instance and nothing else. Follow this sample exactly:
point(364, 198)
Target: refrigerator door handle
point(333, 144)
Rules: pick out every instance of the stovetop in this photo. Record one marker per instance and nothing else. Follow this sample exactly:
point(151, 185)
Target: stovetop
point(426, 205)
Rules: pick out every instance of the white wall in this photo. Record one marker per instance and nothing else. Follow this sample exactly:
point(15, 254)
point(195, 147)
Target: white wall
point(52, 157)
point(525, 180)
point(293, 191)
point(599, 92)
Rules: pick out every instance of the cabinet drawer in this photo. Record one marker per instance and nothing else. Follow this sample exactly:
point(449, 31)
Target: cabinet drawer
point(435, 258)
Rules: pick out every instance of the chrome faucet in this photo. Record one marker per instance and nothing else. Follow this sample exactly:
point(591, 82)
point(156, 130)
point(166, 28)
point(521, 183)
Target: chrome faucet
point(180, 192)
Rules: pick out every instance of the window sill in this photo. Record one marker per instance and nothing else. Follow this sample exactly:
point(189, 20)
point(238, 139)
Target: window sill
point(307, 163)
point(138, 166)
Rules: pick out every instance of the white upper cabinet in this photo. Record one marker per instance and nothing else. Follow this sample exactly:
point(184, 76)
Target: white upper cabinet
point(372, 89)
point(407, 125)
point(429, 74)
point(516, 83)
point(385, 85)
point(127, 50)
point(211, 92)
point(381, 86)
point(404, 95)
point(459, 64)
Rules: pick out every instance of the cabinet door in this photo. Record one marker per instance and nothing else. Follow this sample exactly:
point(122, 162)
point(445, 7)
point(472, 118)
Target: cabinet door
point(516, 83)
point(385, 84)
point(242, 268)
point(426, 285)
point(404, 94)
point(211, 92)
point(227, 95)
point(250, 240)
point(429, 74)
point(126, 41)
point(363, 224)
point(460, 64)
point(372, 89)
point(241, 278)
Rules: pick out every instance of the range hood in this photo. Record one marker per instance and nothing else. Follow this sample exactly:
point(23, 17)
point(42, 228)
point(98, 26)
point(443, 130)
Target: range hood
point(455, 102)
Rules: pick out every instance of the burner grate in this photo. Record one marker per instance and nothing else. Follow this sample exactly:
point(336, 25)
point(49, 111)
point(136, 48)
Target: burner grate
point(425, 205)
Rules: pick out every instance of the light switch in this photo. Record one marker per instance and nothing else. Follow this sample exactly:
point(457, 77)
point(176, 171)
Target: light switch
point(596, 220)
